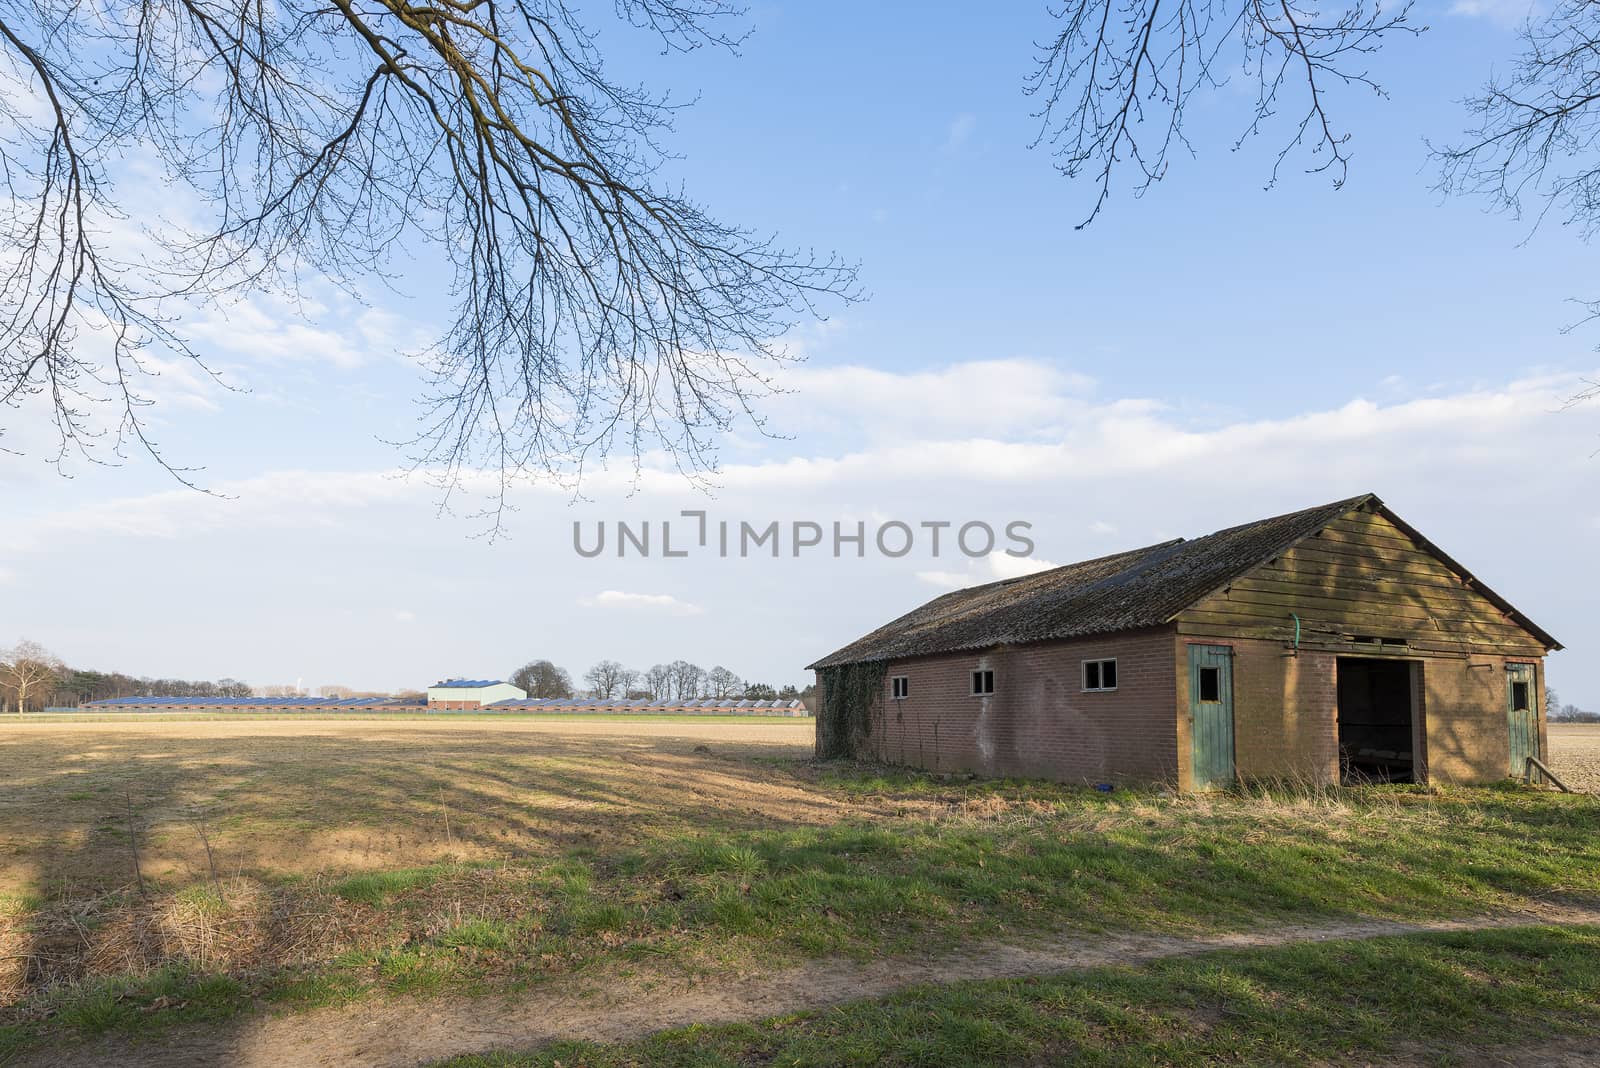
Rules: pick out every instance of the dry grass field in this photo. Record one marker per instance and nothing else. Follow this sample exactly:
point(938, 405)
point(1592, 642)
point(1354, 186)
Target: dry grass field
point(117, 838)
point(305, 797)
point(156, 873)
point(308, 797)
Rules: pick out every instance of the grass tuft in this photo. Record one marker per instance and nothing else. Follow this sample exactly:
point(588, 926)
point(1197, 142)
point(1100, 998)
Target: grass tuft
point(480, 934)
point(377, 887)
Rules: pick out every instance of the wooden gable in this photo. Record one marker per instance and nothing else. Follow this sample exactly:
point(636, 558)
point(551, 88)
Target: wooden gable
point(1363, 582)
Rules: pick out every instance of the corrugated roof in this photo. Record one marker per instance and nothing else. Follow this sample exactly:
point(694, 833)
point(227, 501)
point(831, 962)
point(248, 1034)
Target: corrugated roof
point(466, 684)
point(1126, 591)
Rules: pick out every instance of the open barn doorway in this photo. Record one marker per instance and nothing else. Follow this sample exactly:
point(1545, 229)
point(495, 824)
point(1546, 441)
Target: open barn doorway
point(1377, 720)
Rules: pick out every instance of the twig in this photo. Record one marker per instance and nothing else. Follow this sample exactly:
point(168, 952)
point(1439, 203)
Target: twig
point(211, 860)
point(433, 762)
point(133, 844)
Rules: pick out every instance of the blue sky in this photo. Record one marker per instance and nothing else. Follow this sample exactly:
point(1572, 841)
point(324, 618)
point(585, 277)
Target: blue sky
point(1205, 355)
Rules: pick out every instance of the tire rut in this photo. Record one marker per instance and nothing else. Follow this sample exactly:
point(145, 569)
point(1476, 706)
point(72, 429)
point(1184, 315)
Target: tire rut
point(407, 1032)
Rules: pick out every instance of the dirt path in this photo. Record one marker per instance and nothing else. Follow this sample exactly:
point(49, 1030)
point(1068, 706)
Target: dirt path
point(406, 1032)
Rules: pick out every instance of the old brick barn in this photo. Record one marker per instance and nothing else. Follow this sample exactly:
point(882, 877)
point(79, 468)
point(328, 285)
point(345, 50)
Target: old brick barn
point(1335, 642)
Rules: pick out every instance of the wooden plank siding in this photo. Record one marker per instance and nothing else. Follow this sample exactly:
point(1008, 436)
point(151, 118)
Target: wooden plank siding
point(1361, 576)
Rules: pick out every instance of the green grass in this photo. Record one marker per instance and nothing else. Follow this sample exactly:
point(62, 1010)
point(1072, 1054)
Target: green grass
point(147, 1005)
point(933, 863)
point(480, 934)
point(1134, 863)
point(1439, 998)
point(379, 887)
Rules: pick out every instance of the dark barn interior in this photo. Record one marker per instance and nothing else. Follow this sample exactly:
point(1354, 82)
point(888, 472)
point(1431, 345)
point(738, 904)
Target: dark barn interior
point(1376, 720)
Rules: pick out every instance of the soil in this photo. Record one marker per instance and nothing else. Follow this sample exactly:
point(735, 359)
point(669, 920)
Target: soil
point(406, 1032)
point(1575, 755)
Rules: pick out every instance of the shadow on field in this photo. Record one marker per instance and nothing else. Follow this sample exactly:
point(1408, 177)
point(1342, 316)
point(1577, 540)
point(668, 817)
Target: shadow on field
point(368, 853)
point(105, 855)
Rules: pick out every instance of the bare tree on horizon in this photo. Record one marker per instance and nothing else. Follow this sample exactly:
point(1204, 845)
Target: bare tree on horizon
point(609, 678)
point(28, 668)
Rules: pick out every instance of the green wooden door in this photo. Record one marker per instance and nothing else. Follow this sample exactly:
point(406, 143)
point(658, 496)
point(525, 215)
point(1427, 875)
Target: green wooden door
point(1522, 709)
point(1211, 714)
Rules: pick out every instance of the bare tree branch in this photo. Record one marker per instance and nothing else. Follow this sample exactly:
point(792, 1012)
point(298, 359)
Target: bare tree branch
point(595, 308)
point(1534, 147)
point(1116, 80)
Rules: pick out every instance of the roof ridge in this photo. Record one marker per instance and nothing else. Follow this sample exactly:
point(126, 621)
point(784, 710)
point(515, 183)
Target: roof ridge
point(997, 583)
point(1349, 502)
point(1342, 506)
point(1133, 588)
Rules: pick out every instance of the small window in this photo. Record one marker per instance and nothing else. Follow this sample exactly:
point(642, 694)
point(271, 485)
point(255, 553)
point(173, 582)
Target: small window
point(900, 687)
point(1210, 684)
point(1377, 639)
point(1519, 697)
point(1099, 674)
point(982, 683)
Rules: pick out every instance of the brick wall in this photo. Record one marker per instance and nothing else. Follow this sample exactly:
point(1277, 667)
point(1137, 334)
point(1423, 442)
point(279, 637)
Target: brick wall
point(1286, 714)
point(1285, 711)
point(1469, 738)
point(1039, 721)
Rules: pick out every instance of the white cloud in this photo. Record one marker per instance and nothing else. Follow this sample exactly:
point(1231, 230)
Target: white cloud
point(1109, 474)
point(405, 616)
point(1005, 566)
point(651, 602)
point(992, 568)
point(1503, 12)
point(1108, 443)
point(1000, 397)
point(278, 499)
point(950, 580)
point(1118, 438)
point(270, 329)
point(960, 131)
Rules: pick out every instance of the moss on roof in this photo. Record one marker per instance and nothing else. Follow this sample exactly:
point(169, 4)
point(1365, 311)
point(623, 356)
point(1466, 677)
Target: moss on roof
point(1126, 591)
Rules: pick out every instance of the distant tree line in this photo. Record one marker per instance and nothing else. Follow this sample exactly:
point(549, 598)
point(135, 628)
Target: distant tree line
point(1555, 710)
point(32, 678)
point(678, 681)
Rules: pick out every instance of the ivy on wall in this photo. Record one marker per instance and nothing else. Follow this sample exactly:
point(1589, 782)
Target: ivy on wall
point(844, 720)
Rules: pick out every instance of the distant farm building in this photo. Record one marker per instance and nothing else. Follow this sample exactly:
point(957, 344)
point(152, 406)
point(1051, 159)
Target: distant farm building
point(462, 695)
point(1336, 642)
point(524, 705)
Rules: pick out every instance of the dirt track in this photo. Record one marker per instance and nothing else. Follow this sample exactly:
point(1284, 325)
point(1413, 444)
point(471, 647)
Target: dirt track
point(406, 1032)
